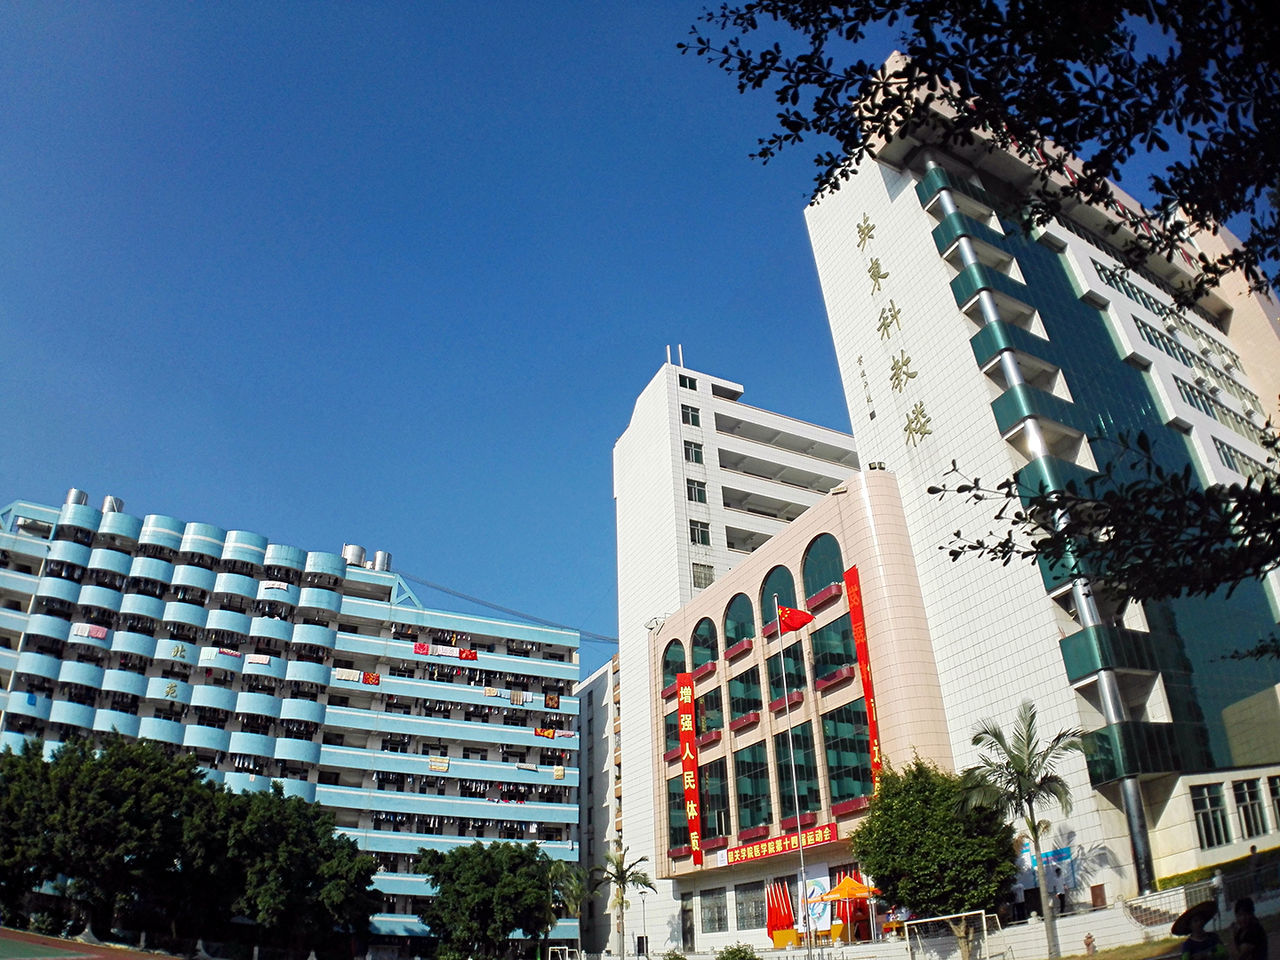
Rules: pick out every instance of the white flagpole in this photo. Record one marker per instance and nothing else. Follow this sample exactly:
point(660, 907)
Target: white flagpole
point(795, 783)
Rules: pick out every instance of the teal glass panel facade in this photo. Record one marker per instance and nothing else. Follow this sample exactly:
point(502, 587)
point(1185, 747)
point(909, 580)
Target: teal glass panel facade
point(713, 795)
point(780, 582)
point(823, 564)
point(848, 748)
point(739, 620)
point(806, 767)
point(744, 693)
point(1114, 398)
point(751, 777)
point(793, 658)
point(705, 648)
point(833, 646)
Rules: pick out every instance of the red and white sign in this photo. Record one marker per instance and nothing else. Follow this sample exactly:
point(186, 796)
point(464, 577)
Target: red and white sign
point(853, 590)
point(689, 762)
point(790, 843)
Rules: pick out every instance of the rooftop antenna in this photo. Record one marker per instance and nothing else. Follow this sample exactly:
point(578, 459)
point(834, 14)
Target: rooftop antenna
point(680, 353)
point(668, 353)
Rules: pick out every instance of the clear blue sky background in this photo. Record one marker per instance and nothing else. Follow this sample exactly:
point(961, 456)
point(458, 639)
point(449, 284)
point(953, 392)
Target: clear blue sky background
point(384, 273)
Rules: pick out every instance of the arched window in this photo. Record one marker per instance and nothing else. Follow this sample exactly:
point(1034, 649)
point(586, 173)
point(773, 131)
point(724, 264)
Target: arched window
point(781, 582)
point(739, 620)
point(823, 565)
point(672, 663)
point(705, 648)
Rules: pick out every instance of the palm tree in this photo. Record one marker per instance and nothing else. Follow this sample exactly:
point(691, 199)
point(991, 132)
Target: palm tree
point(1018, 776)
point(622, 877)
point(571, 888)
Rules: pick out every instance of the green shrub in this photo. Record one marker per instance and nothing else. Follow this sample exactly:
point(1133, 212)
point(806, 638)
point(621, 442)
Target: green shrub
point(737, 951)
point(674, 954)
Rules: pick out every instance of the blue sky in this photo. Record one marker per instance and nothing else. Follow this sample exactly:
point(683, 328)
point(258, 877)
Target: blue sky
point(384, 273)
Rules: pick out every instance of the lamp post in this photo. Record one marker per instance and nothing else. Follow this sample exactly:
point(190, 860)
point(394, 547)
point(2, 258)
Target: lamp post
point(644, 923)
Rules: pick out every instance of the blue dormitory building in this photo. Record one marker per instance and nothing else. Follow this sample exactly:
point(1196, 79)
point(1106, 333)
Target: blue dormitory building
point(322, 672)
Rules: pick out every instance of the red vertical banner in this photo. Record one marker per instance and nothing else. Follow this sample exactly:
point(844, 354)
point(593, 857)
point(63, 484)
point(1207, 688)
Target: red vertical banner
point(689, 762)
point(853, 590)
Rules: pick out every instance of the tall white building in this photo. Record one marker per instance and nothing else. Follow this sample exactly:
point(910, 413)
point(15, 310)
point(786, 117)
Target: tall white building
point(700, 481)
point(961, 338)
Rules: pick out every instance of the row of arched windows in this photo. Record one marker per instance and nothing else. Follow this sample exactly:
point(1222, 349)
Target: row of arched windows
point(821, 567)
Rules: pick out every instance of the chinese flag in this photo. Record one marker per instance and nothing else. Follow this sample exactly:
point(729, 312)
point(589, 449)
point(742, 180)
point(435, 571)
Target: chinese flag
point(790, 619)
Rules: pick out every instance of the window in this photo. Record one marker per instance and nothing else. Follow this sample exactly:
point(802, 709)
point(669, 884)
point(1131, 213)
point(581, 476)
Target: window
point(672, 662)
point(677, 822)
point(713, 798)
point(749, 903)
point(696, 491)
point(671, 731)
point(689, 383)
point(705, 647)
point(778, 581)
point(823, 564)
point(703, 575)
point(744, 693)
point(708, 712)
point(1273, 785)
point(833, 646)
point(806, 765)
point(1252, 819)
point(1211, 815)
point(792, 658)
point(751, 767)
point(693, 451)
point(739, 620)
point(700, 532)
point(715, 910)
point(848, 742)
point(690, 415)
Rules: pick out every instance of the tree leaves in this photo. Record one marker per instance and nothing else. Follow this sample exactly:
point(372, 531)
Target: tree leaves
point(484, 893)
point(1102, 83)
point(927, 853)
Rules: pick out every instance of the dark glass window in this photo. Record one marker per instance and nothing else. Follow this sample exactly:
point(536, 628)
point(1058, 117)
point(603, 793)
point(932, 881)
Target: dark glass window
point(833, 646)
point(781, 582)
point(806, 771)
point(739, 620)
point(751, 770)
point(848, 744)
point(713, 791)
point(708, 712)
point(705, 648)
point(793, 657)
point(672, 662)
point(677, 822)
point(744, 693)
point(823, 565)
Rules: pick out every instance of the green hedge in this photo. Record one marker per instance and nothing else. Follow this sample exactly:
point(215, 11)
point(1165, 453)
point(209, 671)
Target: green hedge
point(1226, 866)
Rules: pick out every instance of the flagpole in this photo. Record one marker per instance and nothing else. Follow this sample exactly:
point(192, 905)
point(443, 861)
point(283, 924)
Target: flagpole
point(795, 783)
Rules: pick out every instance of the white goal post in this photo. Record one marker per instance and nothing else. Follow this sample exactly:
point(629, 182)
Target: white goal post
point(935, 938)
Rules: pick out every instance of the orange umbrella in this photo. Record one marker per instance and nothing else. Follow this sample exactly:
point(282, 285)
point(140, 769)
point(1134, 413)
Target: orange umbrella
point(847, 889)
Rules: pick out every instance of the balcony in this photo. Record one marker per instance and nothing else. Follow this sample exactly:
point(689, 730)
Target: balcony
point(158, 728)
point(108, 721)
point(112, 562)
point(203, 540)
point(121, 528)
point(163, 533)
point(191, 577)
point(33, 664)
point(124, 681)
point(242, 546)
point(72, 714)
point(198, 737)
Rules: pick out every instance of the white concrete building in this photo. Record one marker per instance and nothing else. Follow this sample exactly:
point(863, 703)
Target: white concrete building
point(961, 338)
point(700, 481)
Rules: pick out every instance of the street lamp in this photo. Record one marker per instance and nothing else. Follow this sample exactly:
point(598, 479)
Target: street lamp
point(644, 923)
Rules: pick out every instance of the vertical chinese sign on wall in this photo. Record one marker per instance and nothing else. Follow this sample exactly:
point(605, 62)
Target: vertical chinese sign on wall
point(689, 762)
point(853, 590)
